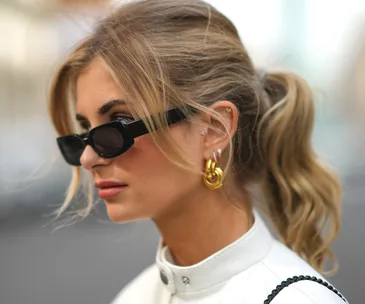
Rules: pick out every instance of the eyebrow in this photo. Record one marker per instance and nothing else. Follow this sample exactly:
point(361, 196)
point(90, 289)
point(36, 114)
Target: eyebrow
point(104, 108)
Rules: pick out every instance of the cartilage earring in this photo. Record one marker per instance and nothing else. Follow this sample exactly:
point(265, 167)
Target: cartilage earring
point(203, 133)
point(228, 110)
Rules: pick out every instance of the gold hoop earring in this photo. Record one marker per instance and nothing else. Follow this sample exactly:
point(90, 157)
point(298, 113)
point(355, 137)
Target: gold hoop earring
point(213, 177)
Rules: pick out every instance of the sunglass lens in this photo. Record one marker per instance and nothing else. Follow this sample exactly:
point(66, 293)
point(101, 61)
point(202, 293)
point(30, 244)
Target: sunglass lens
point(108, 141)
point(72, 148)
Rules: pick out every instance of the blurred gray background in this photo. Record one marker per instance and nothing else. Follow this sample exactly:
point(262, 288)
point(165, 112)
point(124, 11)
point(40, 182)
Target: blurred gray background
point(91, 261)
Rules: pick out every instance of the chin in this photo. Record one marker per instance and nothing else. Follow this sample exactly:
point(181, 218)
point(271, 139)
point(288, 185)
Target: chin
point(118, 213)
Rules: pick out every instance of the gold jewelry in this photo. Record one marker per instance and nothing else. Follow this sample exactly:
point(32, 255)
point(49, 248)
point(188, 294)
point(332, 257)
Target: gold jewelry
point(213, 175)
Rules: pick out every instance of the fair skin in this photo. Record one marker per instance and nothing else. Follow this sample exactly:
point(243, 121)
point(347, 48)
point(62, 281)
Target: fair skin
point(194, 221)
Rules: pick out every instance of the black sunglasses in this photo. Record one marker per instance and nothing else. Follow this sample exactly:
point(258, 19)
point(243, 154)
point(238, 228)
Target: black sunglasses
point(111, 139)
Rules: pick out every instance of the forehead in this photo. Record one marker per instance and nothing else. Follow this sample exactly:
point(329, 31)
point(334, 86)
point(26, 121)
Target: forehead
point(95, 86)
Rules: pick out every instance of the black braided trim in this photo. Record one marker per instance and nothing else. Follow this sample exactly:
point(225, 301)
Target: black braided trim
point(295, 279)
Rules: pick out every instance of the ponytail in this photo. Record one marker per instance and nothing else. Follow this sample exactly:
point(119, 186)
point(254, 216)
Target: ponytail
point(302, 194)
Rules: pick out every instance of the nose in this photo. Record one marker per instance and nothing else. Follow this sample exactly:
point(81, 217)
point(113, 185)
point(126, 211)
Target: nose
point(89, 159)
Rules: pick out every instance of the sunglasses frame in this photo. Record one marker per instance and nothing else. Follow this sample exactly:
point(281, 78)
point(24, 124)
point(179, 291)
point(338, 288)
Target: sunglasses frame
point(128, 131)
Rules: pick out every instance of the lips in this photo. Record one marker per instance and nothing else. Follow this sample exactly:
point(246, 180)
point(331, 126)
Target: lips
point(109, 189)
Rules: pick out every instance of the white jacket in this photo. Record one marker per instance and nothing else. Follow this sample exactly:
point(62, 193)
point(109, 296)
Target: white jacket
point(245, 272)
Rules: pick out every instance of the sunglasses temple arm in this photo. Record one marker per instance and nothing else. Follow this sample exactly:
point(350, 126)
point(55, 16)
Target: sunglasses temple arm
point(138, 128)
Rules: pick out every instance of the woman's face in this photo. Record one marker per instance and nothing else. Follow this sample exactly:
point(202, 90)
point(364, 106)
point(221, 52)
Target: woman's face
point(154, 185)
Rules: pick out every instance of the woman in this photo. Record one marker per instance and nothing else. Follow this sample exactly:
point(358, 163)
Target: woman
point(180, 128)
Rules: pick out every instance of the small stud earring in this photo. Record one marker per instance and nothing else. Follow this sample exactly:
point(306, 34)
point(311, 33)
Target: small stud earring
point(228, 110)
point(202, 133)
point(219, 152)
point(215, 157)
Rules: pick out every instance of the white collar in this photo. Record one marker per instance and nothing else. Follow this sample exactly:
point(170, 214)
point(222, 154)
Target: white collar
point(248, 250)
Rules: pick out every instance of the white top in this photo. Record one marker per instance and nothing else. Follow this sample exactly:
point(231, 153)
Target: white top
point(245, 272)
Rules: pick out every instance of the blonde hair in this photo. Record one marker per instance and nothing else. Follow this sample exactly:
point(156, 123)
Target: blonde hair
point(176, 53)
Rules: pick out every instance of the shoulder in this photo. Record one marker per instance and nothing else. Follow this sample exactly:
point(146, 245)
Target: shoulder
point(283, 263)
point(135, 291)
point(257, 283)
point(307, 292)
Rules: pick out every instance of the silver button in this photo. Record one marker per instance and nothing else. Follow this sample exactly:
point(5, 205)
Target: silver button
point(185, 280)
point(163, 277)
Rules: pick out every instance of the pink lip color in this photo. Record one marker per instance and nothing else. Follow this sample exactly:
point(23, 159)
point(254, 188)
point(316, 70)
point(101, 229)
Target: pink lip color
point(111, 191)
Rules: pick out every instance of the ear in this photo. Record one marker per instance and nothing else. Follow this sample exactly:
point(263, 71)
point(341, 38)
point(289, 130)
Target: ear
point(221, 128)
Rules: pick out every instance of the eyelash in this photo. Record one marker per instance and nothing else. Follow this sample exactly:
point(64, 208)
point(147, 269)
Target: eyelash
point(84, 125)
point(120, 117)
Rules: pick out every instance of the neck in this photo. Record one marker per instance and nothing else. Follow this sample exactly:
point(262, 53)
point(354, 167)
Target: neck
point(205, 225)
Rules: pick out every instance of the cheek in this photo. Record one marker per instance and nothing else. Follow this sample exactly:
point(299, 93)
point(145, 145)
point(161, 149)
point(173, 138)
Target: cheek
point(155, 182)
point(151, 166)
point(146, 157)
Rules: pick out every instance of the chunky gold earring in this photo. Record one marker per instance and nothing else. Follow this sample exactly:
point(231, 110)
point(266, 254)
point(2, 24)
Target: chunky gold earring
point(213, 175)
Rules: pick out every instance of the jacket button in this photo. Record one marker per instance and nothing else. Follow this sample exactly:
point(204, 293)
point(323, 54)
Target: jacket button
point(163, 277)
point(185, 280)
